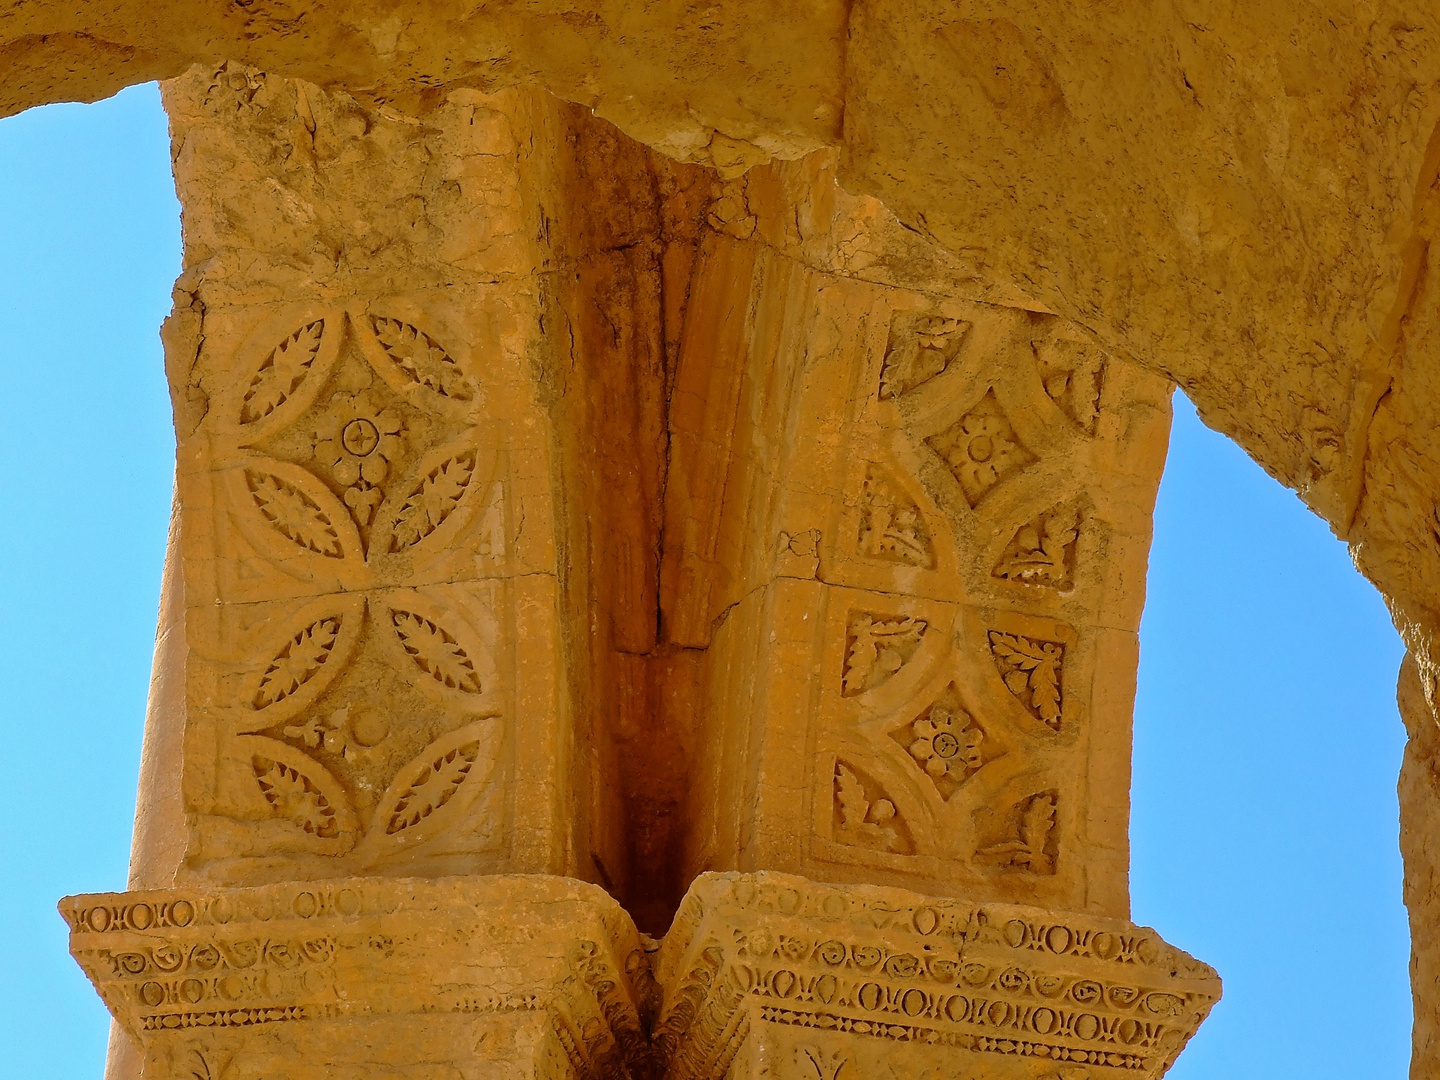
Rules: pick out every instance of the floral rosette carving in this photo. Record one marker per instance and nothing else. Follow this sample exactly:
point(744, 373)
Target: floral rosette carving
point(357, 445)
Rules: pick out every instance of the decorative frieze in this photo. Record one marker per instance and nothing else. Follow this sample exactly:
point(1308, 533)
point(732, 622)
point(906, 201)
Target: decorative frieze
point(773, 975)
point(297, 979)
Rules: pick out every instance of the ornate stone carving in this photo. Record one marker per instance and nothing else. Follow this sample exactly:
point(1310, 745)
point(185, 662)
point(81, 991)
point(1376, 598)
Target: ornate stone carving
point(892, 526)
point(981, 448)
point(1042, 552)
point(283, 980)
point(773, 967)
point(877, 647)
point(1032, 670)
point(1073, 373)
point(945, 742)
point(920, 347)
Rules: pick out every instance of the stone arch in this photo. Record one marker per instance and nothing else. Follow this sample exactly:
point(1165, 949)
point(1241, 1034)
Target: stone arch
point(1276, 264)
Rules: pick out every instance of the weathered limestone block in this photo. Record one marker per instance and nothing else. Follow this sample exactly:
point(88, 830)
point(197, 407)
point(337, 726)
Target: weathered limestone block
point(367, 527)
point(453, 978)
point(770, 975)
point(1420, 846)
point(910, 533)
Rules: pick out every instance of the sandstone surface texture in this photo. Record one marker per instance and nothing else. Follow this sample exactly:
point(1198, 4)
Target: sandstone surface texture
point(646, 442)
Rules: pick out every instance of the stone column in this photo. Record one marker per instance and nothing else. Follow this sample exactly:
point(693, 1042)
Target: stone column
point(373, 685)
point(910, 534)
point(552, 517)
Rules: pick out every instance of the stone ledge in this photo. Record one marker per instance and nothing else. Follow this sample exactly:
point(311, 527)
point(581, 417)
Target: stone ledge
point(547, 974)
point(771, 974)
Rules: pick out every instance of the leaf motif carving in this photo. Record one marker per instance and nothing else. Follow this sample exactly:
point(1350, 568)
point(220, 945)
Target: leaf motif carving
point(1031, 670)
point(864, 818)
point(421, 357)
point(433, 501)
point(432, 787)
point(293, 514)
point(295, 798)
point(878, 646)
point(297, 663)
point(435, 652)
point(282, 372)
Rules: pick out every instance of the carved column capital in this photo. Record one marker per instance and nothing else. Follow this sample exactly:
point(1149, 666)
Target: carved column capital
point(521, 975)
point(772, 975)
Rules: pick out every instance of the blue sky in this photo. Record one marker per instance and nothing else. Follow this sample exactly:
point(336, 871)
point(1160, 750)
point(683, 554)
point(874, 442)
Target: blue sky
point(1267, 742)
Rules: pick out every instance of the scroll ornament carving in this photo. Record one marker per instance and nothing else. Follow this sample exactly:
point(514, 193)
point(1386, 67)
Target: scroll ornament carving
point(376, 954)
point(1031, 669)
point(981, 449)
point(878, 646)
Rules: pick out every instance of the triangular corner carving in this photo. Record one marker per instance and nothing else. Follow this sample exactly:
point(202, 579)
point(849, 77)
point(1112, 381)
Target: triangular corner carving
point(864, 816)
point(892, 526)
point(1031, 669)
point(981, 448)
point(1042, 551)
point(1073, 374)
point(1031, 843)
point(876, 647)
point(919, 348)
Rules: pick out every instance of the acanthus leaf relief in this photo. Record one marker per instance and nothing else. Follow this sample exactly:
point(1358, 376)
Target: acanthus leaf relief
point(295, 797)
point(876, 647)
point(1032, 843)
point(1031, 670)
point(435, 652)
point(892, 527)
point(981, 449)
point(433, 500)
point(1042, 552)
point(865, 816)
point(421, 358)
point(1073, 373)
point(282, 372)
point(945, 742)
point(299, 661)
point(360, 441)
point(293, 514)
point(919, 348)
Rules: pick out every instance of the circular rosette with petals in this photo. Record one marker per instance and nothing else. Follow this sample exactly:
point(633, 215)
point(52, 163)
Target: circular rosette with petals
point(360, 440)
point(946, 743)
